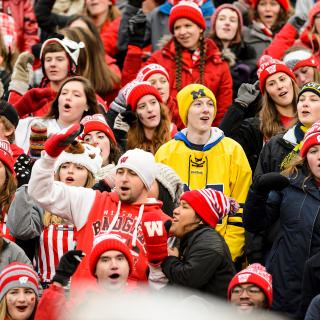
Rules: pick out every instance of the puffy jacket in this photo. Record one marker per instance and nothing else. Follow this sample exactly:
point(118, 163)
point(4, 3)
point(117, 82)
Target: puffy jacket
point(25, 22)
point(204, 262)
point(217, 75)
point(109, 36)
point(297, 206)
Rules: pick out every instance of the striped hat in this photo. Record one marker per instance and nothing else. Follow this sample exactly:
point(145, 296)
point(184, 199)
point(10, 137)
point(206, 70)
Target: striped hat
point(146, 72)
point(18, 275)
point(209, 204)
point(311, 138)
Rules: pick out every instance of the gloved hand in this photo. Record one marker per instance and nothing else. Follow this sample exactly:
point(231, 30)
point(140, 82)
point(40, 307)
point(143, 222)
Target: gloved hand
point(297, 22)
point(22, 73)
point(137, 29)
point(155, 233)
point(67, 266)
point(59, 141)
point(247, 93)
point(119, 103)
point(270, 181)
point(33, 100)
point(23, 167)
point(120, 124)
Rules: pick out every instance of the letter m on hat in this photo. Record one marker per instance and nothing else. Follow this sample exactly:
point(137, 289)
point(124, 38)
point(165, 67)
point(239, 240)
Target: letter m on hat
point(153, 227)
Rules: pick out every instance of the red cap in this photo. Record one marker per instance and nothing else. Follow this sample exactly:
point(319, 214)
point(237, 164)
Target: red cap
point(283, 3)
point(311, 138)
point(96, 122)
point(6, 155)
point(186, 10)
point(254, 274)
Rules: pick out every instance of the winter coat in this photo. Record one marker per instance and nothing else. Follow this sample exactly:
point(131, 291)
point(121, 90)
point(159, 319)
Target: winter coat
point(314, 309)
point(25, 22)
point(220, 165)
point(109, 36)
point(204, 263)
point(297, 206)
point(217, 75)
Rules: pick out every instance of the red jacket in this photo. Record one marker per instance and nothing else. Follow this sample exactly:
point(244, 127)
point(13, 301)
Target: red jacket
point(25, 21)
point(109, 36)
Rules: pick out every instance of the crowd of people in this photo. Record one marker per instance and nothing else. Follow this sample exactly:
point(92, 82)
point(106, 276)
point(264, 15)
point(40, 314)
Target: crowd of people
point(153, 144)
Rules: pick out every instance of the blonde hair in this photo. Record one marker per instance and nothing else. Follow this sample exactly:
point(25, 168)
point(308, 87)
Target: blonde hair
point(8, 190)
point(8, 126)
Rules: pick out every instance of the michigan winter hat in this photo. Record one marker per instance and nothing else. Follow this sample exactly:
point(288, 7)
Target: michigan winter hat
point(311, 138)
point(138, 90)
point(191, 93)
point(107, 242)
point(310, 86)
point(283, 3)
point(270, 67)
point(186, 10)
point(18, 275)
point(96, 122)
point(146, 72)
point(9, 112)
point(82, 154)
point(254, 274)
point(142, 163)
point(6, 155)
point(210, 205)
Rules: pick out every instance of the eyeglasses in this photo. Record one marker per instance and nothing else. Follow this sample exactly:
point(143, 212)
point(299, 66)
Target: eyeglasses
point(251, 291)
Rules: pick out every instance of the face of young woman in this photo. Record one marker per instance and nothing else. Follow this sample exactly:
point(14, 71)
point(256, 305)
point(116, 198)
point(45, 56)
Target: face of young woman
point(185, 220)
point(73, 174)
point(148, 111)
point(187, 33)
point(20, 303)
point(2, 174)
point(304, 75)
point(100, 139)
point(280, 89)
point(56, 66)
point(161, 83)
point(72, 102)
point(201, 115)
point(227, 24)
point(268, 12)
point(308, 108)
point(313, 158)
point(98, 7)
point(317, 23)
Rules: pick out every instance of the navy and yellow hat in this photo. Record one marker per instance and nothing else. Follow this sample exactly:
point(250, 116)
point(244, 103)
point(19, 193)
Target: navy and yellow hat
point(310, 86)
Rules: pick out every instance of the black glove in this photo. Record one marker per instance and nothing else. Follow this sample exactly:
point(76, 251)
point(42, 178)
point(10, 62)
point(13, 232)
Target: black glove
point(247, 93)
point(23, 167)
point(129, 117)
point(67, 266)
point(297, 22)
point(270, 181)
point(137, 29)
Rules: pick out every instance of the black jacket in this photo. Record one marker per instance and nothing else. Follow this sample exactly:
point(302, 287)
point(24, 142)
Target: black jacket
point(204, 263)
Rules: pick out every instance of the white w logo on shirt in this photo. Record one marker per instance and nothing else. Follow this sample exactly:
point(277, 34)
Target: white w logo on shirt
point(154, 227)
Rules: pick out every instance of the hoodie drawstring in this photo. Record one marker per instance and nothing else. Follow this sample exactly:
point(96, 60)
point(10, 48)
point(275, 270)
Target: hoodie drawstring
point(115, 218)
point(135, 232)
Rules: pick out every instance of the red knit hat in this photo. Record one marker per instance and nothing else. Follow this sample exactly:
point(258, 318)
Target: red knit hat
point(6, 155)
point(96, 122)
point(311, 62)
point(255, 274)
point(311, 138)
point(107, 242)
point(186, 10)
point(139, 90)
point(210, 205)
point(18, 275)
point(146, 72)
point(269, 68)
point(283, 3)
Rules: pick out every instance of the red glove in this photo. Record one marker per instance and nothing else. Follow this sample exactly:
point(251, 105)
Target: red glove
point(59, 141)
point(155, 232)
point(33, 100)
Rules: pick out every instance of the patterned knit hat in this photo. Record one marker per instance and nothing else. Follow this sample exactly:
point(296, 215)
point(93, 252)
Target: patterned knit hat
point(6, 155)
point(137, 90)
point(283, 3)
point(257, 275)
point(9, 112)
point(210, 205)
point(267, 69)
point(8, 31)
point(311, 86)
point(186, 10)
point(107, 242)
point(18, 275)
point(38, 137)
point(311, 138)
point(190, 93)
point(82, 154)
point(146, 72)
point(96, 122)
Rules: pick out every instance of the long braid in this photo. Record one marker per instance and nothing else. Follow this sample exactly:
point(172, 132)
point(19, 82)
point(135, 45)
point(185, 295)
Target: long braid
point(178, 60)
point(202, 58)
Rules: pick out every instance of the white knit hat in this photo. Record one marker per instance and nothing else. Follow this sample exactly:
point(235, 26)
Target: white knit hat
point(142, 163)
point(90, 158)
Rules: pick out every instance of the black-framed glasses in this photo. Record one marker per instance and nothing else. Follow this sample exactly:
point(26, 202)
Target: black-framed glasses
point(251, 291)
